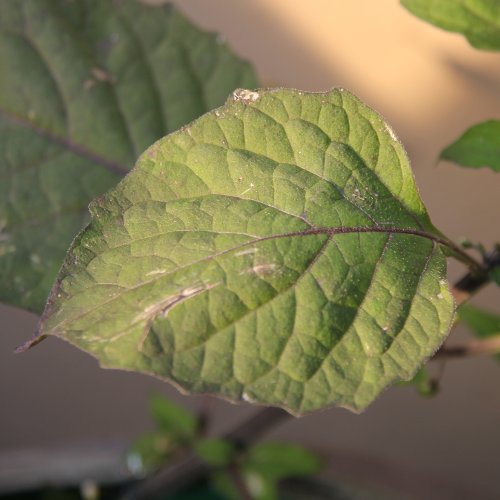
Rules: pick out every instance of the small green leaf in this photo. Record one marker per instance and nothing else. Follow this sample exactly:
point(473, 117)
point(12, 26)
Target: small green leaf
point(261, 487)
point(478, 147)
point(276, 250)
point(426, 386)
point(280, 460)
point(85, 86)
point(495, 275)
point(483, 324)
point(216, 452)
point(153, 449)
point(224, 485)
point(172, 419)
point(176, 428)
point(477, 20)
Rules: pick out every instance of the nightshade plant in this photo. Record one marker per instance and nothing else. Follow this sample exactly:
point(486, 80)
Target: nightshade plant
point(275, 250)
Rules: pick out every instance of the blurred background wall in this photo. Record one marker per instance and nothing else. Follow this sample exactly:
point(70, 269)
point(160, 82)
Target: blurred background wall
point(430, 85)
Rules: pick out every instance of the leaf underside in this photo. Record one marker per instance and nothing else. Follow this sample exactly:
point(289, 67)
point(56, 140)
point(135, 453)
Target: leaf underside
point(478, 147)
point(477, 20)
point(85, 87)
point(276, 250)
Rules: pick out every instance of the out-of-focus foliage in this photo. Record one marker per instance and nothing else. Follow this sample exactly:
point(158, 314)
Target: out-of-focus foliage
point(477, 147)
point(483, 324)
point(85, 87)
point(260, 468)
point(477, 20)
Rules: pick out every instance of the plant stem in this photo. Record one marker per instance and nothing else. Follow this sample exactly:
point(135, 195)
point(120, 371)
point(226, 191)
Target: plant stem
point(468, 286)
point(239, 481)
point(473, 348)
point(473, 281)
point(462, 291)
point(476, 268)
point(192, 468)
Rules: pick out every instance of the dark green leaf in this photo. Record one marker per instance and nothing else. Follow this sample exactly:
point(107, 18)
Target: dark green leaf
point(280, 460)
point(495, 275)
point(477, 20)
point(261, 487)
point(153, 450)
point(275, 250)
point(216, 452)
point(173, 420)
point(482, 323)
point(478, 147)
point(224, 485)
point(85, 86)
point(424, 383)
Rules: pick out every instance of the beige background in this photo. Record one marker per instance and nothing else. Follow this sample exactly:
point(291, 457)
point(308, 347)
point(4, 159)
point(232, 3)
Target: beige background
point(430, 85)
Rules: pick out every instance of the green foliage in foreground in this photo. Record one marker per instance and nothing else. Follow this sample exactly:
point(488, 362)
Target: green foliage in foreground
point(85, 87)
point(260, 467)
point(276, 250)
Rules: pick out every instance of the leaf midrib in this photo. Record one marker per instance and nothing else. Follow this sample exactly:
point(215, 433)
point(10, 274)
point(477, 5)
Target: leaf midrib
point(330, 232)
point(73, 147)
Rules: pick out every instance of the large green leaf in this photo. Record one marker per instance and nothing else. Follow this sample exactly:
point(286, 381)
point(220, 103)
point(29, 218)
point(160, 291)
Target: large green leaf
point(276, 250)
point(477, 147)
point(172, 419)
point(85, 86)
point(477, 20)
